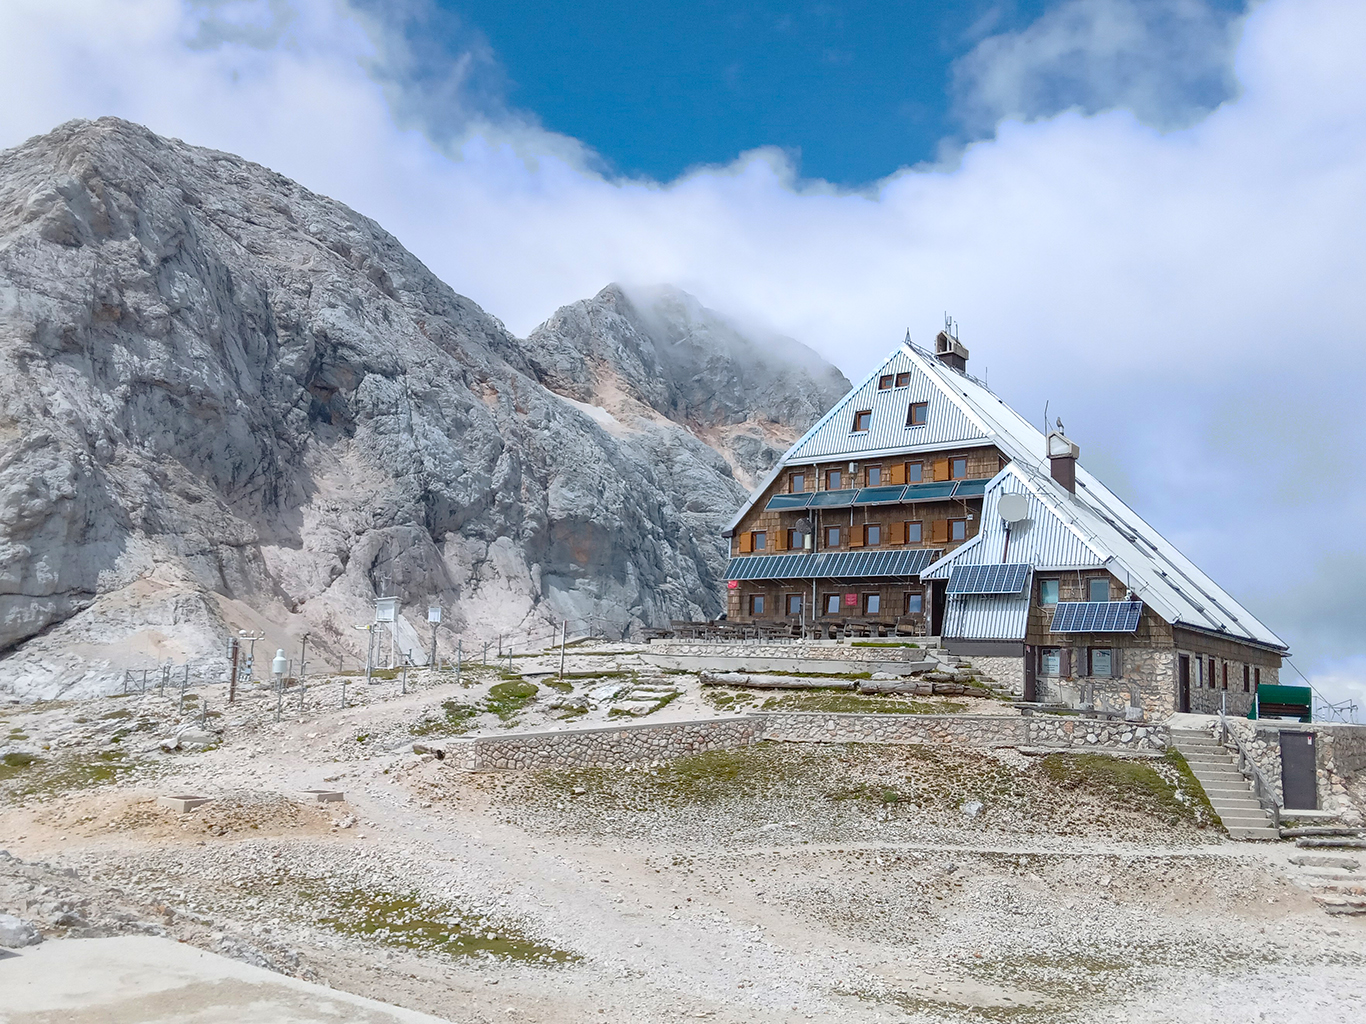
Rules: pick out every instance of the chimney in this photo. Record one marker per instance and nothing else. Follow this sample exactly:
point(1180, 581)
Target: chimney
point(1062, 460)
point(949, 349)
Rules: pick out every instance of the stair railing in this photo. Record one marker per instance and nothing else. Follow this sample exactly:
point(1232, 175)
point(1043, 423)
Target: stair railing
point(1261, 789)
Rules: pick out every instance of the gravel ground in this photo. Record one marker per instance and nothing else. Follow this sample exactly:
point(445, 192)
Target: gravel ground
point(786, 882)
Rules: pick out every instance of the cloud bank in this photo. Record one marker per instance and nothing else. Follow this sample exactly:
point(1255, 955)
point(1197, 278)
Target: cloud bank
point(1189, 299)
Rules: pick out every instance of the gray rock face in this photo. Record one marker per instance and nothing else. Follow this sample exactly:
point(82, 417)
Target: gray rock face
point(659, 353)
point(16, 933)
point(226, 402)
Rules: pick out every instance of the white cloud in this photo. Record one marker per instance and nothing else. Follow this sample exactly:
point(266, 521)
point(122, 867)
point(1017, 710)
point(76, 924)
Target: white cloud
point(1189, 301)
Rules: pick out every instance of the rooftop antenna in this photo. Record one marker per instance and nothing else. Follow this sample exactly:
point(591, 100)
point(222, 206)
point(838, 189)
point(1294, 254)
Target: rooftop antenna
point(1045, 418)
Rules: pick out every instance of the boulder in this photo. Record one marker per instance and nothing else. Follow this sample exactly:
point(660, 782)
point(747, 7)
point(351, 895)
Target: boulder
point(16, 933)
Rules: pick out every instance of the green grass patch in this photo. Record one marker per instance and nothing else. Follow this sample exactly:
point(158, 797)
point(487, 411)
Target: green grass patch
point(430, 926)
point(832, 701)
point(455, 719)
point(1135, 784)
point(563, 685)
point(120, 713)
point(883, 643)
point(24, 775)
point(507, 699)
point(1190, 785)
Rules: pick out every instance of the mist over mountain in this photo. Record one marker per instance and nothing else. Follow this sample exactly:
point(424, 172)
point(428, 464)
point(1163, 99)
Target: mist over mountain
point(227, 402)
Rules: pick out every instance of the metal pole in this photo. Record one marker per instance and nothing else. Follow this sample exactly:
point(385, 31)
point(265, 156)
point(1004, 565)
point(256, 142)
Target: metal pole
point(303, 658)
point(181, 706)
point(459, 659)
point(204, 714)
point(144, 680)
point(432, 660)
point(369, 648)
point(486, 652)
point(404, 683)
point(564, 633)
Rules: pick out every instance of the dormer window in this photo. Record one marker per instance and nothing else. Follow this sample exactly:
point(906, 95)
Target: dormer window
point(884, 383)
point(863, 419)
point(903, 379)
point(918, 414)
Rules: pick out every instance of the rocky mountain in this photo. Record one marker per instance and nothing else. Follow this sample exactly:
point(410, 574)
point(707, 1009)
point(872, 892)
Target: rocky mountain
point(228, 403)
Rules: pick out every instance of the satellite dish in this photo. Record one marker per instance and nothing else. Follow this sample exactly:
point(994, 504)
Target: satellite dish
point(1013, 507)
point(805, 526)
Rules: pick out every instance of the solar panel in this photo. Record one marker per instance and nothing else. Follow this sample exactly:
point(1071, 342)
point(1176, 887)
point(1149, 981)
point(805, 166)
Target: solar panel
point(926, 492)
point(879, 496)
point(997, 578)
point(785, 501)
point(832, 565)
point(833, 499)
point(971, 488)
point(1096, 617)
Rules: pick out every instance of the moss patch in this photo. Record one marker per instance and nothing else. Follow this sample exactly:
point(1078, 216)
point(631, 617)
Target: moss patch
point(1138, 785)
point(506, 699)
point(455, 719)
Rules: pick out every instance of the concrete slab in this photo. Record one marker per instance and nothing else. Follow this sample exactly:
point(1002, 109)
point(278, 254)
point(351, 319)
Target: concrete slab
point(139, 979)
point(182, 803)
point(321, 796)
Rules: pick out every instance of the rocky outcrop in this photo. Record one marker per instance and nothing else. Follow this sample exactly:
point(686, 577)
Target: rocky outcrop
point(227, 402)
point(658, 353)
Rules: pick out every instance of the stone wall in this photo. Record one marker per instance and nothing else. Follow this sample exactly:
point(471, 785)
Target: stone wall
point(796, 649)
point(1339, 760)
point(600, 747)
point(1008, 672)
point(1147, 678)
point(963, 730)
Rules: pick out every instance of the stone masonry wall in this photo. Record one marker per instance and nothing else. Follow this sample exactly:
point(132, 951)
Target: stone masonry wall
point(1339, 760)
point(613, 745)
point(810, 651)
point(1008, 672)
point(964, 730)
point(1146, 673)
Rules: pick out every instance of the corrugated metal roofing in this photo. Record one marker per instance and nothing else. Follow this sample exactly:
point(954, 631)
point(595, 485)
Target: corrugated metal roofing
point(986, 616)
point(947, 422)
point(903, 563)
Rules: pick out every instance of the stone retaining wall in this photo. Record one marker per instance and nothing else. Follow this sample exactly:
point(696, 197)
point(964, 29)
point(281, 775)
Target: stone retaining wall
point(964, 730)
point(797, 649)
point(601, 747)
point(1339, 760)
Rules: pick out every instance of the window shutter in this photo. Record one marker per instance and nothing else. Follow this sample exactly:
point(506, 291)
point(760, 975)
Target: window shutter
point(896, 473)
point(779, 540)
point(856, 536)
point(1065, 662)
point(941, 469)
point(939, 531)
point(897, 533)
point(746, 542)
point(1115, 670)
point(1083, 661)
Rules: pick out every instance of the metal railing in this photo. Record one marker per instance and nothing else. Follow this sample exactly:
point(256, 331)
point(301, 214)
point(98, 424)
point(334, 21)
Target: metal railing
point(1261, 788)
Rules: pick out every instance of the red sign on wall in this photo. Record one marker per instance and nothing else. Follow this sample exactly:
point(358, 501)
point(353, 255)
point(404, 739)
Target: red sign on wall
point(733, 585)
point(851, 599)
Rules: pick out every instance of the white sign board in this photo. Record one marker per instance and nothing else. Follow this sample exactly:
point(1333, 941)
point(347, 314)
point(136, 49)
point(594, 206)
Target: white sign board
point(386, 609)
point(434, 613)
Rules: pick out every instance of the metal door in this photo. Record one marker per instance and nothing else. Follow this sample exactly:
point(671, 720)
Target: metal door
point(1185, 704)
point(1299, 788)
point(1031, 688)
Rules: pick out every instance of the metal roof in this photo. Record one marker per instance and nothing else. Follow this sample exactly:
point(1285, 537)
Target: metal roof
point(1089, 528)
point(986, 616)
point(901, 563)
point(947, 423)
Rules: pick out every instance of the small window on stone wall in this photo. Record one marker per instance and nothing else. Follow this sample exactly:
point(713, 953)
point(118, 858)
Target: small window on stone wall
point(1247, 679)
point(1050, 661)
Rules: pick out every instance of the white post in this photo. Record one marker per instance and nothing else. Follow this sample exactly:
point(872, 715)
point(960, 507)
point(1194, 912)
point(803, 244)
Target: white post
point(564, 633)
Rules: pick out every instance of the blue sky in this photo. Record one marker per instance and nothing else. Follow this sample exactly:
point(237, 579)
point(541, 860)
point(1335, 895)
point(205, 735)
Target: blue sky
point(1147, 213)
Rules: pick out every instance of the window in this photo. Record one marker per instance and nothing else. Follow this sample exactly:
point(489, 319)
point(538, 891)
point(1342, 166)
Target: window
point(903, 379)
point(958, 529)
point(863, 419)
point(874, 476)
point(913, 533)
point(794, 541)
point(1102, 661)
point(914, 604)
point(832, 536)
point(760, 540)
point(872, 534)
point(833, 479)
point(884, 382)
point(756, 604)
point(915, 472)
point(1199, 673)
point(798, 483)
point(794, 604)
point(1257, 677)
point(1098, 590)
point(918, 414)
point(1048, 592)
point(871, 603)
point(1210, 681)
point(1225, 683)
point(1050, 661)
point(832, 604)
point(958, 469)
point(1247, 679)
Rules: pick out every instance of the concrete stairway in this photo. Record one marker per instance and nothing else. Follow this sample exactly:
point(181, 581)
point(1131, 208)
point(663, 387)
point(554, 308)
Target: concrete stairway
point(1229, 792)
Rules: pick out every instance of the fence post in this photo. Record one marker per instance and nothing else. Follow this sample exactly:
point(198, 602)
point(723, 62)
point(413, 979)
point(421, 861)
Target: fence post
point(459, 659)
